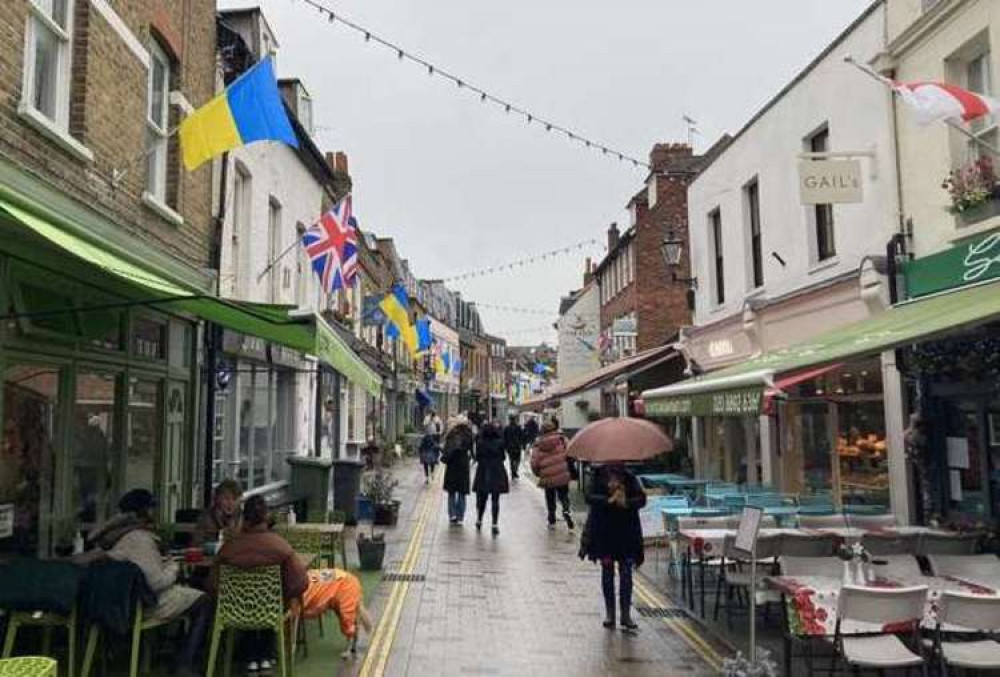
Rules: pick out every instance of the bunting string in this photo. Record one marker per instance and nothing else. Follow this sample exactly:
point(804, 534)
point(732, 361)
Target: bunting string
point(519, 263)
point(513, 309)
point(484, 96)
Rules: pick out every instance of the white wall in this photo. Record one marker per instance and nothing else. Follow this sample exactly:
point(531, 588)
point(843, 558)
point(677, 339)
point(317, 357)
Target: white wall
point(579, 329)
point(857, 114)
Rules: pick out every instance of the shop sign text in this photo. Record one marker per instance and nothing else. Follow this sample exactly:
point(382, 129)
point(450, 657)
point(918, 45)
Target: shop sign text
point(830, 182)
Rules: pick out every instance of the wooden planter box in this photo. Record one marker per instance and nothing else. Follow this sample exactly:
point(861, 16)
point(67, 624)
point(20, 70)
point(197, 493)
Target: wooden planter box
point(979, 213)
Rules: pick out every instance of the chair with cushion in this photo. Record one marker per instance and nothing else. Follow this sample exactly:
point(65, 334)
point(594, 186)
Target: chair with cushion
point(889, 543)
point(872, 522)
point(29, 666)
point(931, 543)
point(984, 568)
point(970, 613)
point(797, 544)
point(821, 521)
point(251, 599)
point(895, 608)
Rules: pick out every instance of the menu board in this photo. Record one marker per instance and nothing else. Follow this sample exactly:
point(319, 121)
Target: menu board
point(746, 534)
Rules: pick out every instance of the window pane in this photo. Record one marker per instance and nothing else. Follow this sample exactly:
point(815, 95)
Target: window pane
point(46, 75)
point(93, 445)
point(142, 435)
point(156, 163)
point(158, 75)
point(261, 427)
point(30, 412)
point(246, 427)
point(148, 338)
point(55, 10)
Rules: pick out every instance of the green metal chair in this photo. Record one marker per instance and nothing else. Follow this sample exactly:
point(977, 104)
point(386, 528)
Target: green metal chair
point(140, 624)
point(251, 599)
point(48, 621)
point(28, 666)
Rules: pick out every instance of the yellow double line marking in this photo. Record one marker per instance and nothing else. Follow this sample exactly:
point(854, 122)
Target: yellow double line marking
point(682, 627)
point(378, 653)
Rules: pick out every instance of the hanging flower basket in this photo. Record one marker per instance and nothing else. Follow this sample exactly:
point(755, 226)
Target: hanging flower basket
point(973, 191)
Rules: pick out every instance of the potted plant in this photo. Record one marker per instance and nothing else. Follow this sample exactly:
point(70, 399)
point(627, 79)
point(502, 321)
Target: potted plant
point(371, 550)
point(973, 191)
point(379, 486)
point(741, 666)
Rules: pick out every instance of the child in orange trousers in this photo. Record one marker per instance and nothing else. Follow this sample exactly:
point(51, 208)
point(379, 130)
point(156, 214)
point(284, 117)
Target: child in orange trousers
point(338, 591)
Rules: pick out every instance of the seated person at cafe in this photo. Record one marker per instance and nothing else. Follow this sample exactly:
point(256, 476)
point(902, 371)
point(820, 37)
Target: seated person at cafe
point(222, 516)
point(257, 546)
point(130, 537)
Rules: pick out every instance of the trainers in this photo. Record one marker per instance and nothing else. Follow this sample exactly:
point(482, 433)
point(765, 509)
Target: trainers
point(265, 666)
point(253, 667)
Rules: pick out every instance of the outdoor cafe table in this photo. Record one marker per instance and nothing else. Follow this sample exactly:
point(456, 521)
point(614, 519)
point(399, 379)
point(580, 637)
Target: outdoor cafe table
point(811, 603)
point(207, 562)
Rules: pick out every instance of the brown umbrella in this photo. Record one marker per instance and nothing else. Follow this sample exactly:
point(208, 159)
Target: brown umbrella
point(619, 439)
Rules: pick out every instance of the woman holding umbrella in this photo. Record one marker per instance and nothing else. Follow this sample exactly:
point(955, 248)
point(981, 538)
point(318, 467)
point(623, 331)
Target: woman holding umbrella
point(613, 533)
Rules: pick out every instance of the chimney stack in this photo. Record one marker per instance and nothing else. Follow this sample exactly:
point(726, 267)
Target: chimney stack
point(613, 237)
point(663, 154)
point(588, 272)
point(337, 161)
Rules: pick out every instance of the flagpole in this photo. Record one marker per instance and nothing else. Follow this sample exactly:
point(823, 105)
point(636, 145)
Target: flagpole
point(277, 258)
point(867, 70)
point(119, 173)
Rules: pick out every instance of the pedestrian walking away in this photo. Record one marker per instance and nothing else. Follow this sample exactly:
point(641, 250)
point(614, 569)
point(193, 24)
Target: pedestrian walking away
point(613, 535)
point(551, 465)
point(513, 442)
point(530, 431)
point(429, 454)
point(459, 439)
point(491, 476)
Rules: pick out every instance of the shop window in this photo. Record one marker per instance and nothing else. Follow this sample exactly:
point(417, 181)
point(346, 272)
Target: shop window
point(103, 327)
point(48, 312)
point(27, 472)
point(148, 338)
point(93, 448)
point(180, 344)
point(262, 417)
point(143, 434)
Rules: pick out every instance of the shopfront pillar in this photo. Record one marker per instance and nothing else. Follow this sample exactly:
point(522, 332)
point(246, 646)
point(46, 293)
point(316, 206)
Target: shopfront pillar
point(900, 480)
point(768, 439)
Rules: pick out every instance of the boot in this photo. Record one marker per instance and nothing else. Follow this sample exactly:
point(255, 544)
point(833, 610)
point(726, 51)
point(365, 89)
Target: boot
point(609, 615)
point(628, 625)
point(569, 520)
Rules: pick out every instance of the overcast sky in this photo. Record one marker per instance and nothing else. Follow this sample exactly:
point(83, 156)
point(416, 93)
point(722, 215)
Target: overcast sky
point(461, 185)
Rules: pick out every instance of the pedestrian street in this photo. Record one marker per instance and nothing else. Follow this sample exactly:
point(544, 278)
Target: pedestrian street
point(522, 603)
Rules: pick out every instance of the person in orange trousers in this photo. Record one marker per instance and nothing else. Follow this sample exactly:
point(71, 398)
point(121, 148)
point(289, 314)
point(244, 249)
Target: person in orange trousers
point(338, 591)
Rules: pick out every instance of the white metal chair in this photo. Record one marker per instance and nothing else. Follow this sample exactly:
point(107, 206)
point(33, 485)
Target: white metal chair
point(931, 543)
point(734, 573)
point(822, 521)
point(980, 568)
point(973, 613)
point(901, 607)
point(827, 567)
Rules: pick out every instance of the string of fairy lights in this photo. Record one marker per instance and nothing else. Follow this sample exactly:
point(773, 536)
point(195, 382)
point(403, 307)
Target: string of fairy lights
point(526, 261)
point(485, 97)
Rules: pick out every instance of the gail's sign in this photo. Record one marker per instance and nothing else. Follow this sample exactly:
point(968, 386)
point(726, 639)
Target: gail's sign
point(968, 262)
point(830, 181)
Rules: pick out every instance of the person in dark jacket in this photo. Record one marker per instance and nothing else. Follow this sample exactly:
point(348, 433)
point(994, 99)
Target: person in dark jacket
point(550, 465)
point(429, 453)
point(613, 534)
point(530, 431)
point(459, 440)
point(491, 476)
point(513, 441)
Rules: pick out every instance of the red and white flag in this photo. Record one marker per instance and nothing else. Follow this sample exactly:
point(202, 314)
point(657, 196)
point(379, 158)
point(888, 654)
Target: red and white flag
point(931, 102)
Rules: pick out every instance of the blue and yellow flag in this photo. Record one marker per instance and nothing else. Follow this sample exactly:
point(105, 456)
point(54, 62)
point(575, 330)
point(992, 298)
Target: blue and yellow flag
point(396, 306)
point(249, 110)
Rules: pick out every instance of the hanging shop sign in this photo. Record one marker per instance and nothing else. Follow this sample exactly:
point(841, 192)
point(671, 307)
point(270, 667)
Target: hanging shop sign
point(830, 182)
point(735, 402)
point(971, 261)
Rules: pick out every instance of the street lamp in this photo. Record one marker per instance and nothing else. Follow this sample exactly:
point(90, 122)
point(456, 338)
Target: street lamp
point(673, 251)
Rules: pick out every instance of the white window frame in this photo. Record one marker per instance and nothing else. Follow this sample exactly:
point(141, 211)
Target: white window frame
point(156, 142)
point(986, 126)
point(40, 19)
point(274, 247)
point(242, 237)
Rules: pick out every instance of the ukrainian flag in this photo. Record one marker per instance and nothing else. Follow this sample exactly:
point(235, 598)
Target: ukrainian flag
point(249, 110)
point(396, 306)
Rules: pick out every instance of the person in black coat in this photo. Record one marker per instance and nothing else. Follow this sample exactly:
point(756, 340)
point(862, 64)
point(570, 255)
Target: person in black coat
point(530, 431)
point(513, 441)
point(613, 533)
point(491, 476)
point(459, 440)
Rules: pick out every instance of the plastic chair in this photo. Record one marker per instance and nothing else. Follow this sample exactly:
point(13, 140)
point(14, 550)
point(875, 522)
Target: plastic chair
point(889, 544)
point(734, 578)
point(975, 567)
point(29, 666)
point(48, 621)
point(140, 624)
point(250, 599)
point(975, 613)
point(947, 544)
point(901, 608)
point(905, 567)
point(808, 545)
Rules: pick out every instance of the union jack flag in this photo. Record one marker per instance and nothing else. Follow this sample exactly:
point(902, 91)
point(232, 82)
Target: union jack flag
point(332, 245)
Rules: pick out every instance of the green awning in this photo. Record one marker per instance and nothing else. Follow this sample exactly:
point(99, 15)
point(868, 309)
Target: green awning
point(906, 323)
point(307, 333)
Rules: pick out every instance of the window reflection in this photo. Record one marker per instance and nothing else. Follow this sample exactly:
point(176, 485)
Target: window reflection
point(142, 441)
point(93, 444)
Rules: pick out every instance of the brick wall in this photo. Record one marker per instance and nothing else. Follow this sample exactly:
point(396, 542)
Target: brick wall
point(108, 112)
